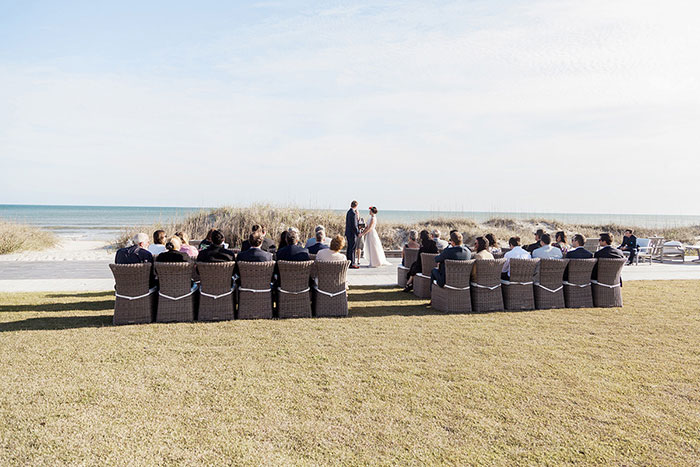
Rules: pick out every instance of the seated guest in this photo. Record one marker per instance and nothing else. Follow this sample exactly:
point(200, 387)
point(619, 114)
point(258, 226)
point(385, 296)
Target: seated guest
point(427, 245)
point(136, 253)
point(292, 252)
point(481, 246)
point(158, 245)
point(411, 243)
point(267, 244)
point(283, 240)
point(216, 253)
point(206, 243)
point(606, 251)
point(186, 247)
point(441, 244)
point(493, 247)
point(333, 253)
point(172, 253)
point(546, 250)
point(319, 245)
point(516, 252)
point(455, 251)
point(560, 242)
point(629, 244)
point(315, 239)
point(533, 246)
point(255, 253)
point(578, 251)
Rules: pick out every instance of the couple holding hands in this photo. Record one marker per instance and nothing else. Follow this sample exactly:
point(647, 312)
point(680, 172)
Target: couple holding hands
point(374, 252)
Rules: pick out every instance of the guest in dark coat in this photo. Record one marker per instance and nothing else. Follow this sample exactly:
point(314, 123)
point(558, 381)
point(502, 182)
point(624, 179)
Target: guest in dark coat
point(216, 253)
point(319, 245)
point(292, 252)
point(254, 254)
point(455, 251)
point(606, 251)
point(533, 246)
point(629, 244)
point(427, 245)
point(138, 253)
point(578, 251)
point(267, 244)
point(172, 253)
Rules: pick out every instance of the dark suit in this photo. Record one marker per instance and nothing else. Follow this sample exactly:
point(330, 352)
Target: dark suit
point(293, 253)
point(352, 229)
point(579, 253)
point(254, 255)
point(606, 252)
point(630, 244)
point(267, 245)
point(532, 247)
point(459, 253)
point(171, 256)
point(133, 255)
point(316, 247)
point(216, 254)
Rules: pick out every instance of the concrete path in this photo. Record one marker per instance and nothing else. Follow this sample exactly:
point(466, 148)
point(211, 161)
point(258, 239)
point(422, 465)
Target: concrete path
point(38, 276)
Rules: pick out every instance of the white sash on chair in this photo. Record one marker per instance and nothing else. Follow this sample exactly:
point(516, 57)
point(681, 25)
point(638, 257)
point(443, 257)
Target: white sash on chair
point(605, 285)
point(194, 289)
point(150, 291)
point(474, 284)
point(548, 289)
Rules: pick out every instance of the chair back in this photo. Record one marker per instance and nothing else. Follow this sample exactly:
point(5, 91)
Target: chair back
point(132, 280)
point(216, 278)
point(552, 272)
point(312, 256)
point(256, 276)
point(522, 269)
point(610, 270)
point(427, 263)
point(410, 255)
point(294, 275)
point(579, 270)
point(488, 271)
point(174, 279)
point(458, 273)
point(643, 243)
point(332, 275)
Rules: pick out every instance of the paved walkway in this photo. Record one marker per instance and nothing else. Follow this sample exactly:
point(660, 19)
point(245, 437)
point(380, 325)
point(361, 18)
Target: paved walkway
point(38, 276)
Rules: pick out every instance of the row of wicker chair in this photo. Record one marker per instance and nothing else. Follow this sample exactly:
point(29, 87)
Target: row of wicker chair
point(207, 291)
point(489, 293)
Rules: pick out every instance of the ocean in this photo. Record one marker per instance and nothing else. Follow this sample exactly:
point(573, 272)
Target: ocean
point(106, 222)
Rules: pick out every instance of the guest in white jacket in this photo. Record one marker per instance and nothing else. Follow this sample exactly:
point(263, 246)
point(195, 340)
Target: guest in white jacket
point(516, 252)
point(333, 253)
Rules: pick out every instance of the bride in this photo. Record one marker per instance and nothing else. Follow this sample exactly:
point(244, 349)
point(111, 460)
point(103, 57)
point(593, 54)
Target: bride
point(373, 246)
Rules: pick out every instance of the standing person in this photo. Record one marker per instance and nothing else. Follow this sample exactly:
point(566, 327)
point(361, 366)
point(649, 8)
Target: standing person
point(360, 246)
point(352, 230)
point(629, 244)
point(373, 244)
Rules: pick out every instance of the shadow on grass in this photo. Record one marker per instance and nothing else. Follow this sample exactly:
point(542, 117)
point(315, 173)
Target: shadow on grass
point(55, 323)
point(93, 305)
point(107, 293)
point(389, 301)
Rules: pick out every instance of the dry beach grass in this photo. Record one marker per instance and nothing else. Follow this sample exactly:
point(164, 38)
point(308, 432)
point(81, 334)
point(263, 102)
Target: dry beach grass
point(396, 383)
point(236, 222)
point(18, 237)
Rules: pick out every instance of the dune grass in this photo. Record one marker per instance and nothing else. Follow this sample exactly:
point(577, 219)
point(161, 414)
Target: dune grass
point(395, 383)
point(19, 237)
point(236, 223)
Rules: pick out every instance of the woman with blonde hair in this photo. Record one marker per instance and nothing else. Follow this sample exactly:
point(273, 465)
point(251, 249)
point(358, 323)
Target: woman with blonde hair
point(186, 247)
point(333, 253)
point(172, 253)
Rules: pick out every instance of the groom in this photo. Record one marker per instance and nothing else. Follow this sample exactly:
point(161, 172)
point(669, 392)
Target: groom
point(351, 231)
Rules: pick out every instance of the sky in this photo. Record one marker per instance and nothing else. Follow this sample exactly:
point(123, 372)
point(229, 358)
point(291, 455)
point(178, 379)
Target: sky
point(534, 106)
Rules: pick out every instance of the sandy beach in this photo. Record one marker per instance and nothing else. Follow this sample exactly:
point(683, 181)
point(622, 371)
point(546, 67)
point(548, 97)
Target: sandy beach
point(67, 250)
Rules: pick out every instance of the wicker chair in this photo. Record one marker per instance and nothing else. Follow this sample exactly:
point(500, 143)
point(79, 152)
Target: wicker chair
point(177, 295)
point(577, 289)
point(410, 256)
point(331, 298)
point(606, 289)
point(216, 301)
point(498, 255)
point(134, 302)
point(294, 299)
point(454, 297)
point(549, 288)
point(421, 281)
point(518, 293)
point(312, 256)
point(255, 292)
point(486, 289)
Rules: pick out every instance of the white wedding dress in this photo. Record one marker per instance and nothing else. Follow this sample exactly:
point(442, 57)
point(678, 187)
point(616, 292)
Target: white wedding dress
point(374, 251)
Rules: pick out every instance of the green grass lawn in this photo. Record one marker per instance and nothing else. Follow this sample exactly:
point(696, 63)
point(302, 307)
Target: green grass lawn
point(395, 383)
